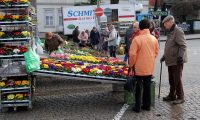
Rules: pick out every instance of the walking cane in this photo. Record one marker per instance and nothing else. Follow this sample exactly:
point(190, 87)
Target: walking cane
point(160, 80)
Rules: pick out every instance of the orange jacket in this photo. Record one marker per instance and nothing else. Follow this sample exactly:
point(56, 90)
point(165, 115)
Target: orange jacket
point(142, 53)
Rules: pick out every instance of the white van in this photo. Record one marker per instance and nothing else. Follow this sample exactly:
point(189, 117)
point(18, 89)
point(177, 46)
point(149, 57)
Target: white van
point(84, 17)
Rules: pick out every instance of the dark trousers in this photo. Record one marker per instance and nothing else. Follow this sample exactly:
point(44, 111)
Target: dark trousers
point(112, 51)
point(143, 82)
point(175, 81)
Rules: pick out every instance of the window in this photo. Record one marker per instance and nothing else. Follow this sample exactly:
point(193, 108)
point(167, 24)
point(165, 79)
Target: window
point(114, 14)
point(60, 18)
point(49, 19)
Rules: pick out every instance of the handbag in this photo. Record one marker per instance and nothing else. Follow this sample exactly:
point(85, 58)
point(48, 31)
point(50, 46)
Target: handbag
point(130, 81)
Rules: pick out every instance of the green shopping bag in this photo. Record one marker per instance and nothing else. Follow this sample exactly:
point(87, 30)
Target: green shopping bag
point(32, 61)
point(129, 97)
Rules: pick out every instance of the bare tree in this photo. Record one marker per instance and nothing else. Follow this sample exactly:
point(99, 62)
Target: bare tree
point(186, 9)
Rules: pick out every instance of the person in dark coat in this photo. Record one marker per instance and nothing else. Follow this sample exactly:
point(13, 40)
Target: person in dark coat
point(53, 42)
point(94, 37)
point(75, 35)
point(104, 43)
point(128, 39)
point(175, 55)
point(153, 30)
point(128, 35)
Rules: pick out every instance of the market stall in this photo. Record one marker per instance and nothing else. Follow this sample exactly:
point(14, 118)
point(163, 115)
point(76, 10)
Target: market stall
point(17, 32)
point(81, 65)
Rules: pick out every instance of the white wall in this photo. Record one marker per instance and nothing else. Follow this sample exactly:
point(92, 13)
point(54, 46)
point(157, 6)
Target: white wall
point(41, 18)
point(55, 5)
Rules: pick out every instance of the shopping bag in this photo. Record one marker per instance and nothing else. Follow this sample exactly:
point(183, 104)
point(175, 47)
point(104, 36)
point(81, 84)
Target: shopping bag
point(130, 81)
point(129, 97)
point(32, 61)
point(39, 49)
point(118, 39)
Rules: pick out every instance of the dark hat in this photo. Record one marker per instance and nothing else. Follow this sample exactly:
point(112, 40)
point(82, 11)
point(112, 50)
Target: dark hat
point(169, 17)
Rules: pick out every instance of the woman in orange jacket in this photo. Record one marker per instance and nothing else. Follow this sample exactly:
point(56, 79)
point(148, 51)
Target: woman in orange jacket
point(142, 54)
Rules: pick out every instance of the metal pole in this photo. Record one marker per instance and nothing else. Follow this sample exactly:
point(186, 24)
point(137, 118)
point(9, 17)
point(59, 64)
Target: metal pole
point(160, 80)
point(98, 17)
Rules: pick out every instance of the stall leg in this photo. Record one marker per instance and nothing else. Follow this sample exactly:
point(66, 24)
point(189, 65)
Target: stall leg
point(117, 87)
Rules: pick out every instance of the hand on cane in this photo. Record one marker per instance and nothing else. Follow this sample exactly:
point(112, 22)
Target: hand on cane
point(162, 59)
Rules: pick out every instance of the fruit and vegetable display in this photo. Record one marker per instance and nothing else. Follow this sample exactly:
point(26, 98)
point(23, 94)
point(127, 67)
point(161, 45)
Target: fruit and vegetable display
point(12, 50)
point(80, 67)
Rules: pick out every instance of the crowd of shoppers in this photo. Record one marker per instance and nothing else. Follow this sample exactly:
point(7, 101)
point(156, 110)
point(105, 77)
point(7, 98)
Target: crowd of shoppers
point(141, 49)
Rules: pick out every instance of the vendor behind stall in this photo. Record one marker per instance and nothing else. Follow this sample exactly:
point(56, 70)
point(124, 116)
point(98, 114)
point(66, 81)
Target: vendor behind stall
point(52, 42)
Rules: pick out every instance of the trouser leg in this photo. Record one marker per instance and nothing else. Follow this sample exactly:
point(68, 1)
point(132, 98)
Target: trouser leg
point(114, 51)
point(178, 80)
point(171, 82)
point(146, 99)
point(138, 93)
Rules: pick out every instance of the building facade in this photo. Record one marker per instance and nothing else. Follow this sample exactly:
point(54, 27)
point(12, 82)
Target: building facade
point(49, 13)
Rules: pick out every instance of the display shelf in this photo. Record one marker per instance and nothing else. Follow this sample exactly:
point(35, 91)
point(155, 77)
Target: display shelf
point(11, 56)
point(14, 88)
point(14, 101)
point(79, 76)
point(15, 70)
point(14, 6)
point(15, 22)
point(15, 104)
point(12, 71)
point(16, 91)
point(15, 39)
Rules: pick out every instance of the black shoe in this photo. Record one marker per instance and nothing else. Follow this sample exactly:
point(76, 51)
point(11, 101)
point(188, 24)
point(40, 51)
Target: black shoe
point(146, 108)
point(168, 98)
point(136, 110)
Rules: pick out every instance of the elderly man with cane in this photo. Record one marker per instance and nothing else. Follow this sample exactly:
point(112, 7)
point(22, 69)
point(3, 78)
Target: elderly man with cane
point(175, 55)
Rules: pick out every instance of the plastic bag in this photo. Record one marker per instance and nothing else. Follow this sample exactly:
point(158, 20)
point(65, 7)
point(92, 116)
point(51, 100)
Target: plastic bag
point(32, 61)
point(40, 42)
point(39, 49)
point(118, 40)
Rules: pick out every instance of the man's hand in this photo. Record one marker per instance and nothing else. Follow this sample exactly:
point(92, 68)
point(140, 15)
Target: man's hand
point(179, 60)
point(162, 59)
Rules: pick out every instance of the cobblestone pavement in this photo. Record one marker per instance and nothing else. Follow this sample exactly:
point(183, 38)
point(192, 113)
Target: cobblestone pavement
point(59, 99)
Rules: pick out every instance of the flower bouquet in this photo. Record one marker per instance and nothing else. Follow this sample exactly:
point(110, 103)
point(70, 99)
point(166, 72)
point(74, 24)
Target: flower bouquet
point(2, 84)
point(17, 2)
point(11, 50)
point(25, 34)
point(21, 83)
point(17, 34)
point(2, 17)
point(5, 2)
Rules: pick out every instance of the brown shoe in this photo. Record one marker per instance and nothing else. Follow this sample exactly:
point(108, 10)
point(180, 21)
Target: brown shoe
point(168, 98)
point(178, 101)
